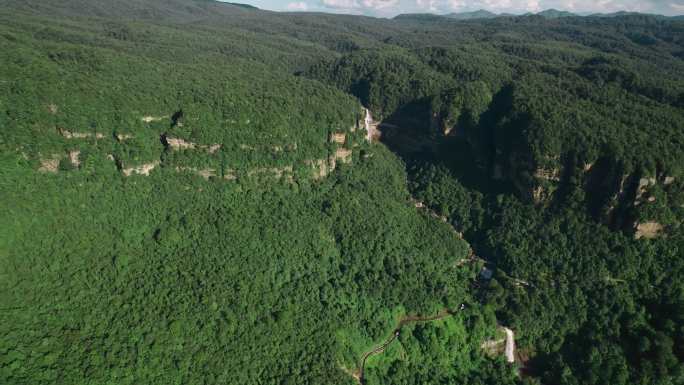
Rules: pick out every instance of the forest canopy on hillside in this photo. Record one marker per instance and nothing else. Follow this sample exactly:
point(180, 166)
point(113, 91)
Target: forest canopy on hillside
point(189, 196)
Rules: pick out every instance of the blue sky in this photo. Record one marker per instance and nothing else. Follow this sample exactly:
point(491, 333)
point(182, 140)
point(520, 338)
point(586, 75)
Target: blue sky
point(389, 8)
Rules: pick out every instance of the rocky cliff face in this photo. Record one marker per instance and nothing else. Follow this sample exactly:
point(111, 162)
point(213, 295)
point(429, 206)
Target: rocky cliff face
point(632, 200)
point(624, 197)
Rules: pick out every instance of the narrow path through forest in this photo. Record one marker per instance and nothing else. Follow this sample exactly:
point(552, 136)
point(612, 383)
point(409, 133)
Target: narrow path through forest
point(358, 374)
point(383, 346)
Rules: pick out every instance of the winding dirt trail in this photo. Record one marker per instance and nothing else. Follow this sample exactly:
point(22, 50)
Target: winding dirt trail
point(383, 346)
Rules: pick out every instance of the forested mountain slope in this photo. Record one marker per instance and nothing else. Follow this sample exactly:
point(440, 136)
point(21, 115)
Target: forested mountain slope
point(188, 196)
point(539, 107)
point(165, 11)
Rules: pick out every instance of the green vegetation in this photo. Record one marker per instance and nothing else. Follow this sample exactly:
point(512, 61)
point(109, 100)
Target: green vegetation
point(444, 351)
point(189, 198)
point(172, 279)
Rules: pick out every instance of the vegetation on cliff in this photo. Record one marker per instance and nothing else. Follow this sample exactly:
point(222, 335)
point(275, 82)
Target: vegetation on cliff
point(188, 196)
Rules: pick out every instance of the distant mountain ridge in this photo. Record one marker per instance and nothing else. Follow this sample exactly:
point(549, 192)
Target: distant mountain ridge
point(554, 13)
point(479, 14)
point(548, 13)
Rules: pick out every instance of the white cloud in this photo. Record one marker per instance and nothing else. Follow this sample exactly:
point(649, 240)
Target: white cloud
point(428, 5)
point(341, 4)
point(457, 4)
point(677, 7)
point(375, 7)
point(298, 6)
point(533, 6)
point(380, 4)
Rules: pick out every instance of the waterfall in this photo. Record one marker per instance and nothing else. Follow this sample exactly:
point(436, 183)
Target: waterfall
point(368, 121)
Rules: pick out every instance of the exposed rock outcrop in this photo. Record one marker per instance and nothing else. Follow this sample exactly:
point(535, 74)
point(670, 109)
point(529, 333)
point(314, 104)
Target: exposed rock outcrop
point(644, 184)
point(343, 155)
point(150, 119)
point(320, 167)
point(178, 144)
point(648, 230)
point(338, 137)
point(548, 174)
point(143, 169)
point(123, 137)
point(229, 174)
point(74, 158)
point(51, 164)
point(79, 135)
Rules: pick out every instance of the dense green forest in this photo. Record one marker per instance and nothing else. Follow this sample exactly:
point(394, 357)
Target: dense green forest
point(189, 196)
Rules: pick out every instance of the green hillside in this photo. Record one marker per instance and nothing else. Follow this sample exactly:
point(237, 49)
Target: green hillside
point(189, 197)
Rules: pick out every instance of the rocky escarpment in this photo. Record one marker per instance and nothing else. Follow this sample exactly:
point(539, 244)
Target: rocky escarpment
point(622, 197)
point(178, 144)
point(341, 145)
point(633, 200)
point(175, 152)
point(545, 154)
